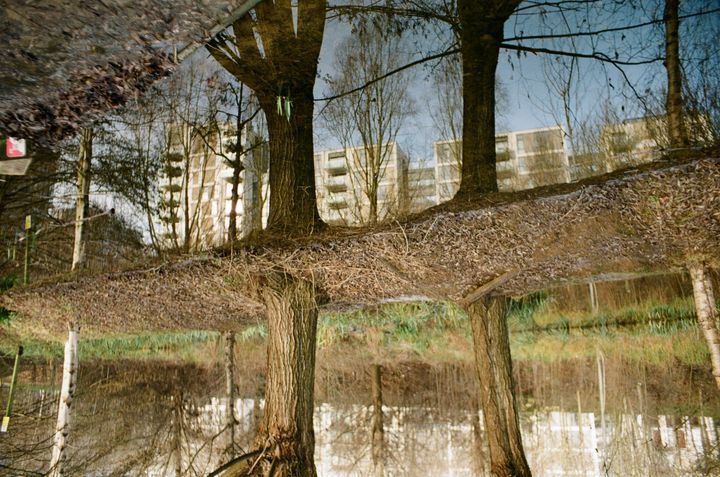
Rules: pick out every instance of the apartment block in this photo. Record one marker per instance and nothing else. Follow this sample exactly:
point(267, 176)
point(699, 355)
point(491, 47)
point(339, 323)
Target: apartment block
point(524, 160)
point(346, 181)
point(196, 188)
point(637, 141)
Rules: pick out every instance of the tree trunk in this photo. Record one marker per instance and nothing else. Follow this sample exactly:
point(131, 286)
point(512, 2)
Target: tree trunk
point(67, 393)
point(378, 433)
point(481, 32)
point(82, 201)
point(177, 433)
point(479, 457)
point(706, 313)
point(252, 192)
point(234, 199)
point(286, 431)
point(674, 104)
point(230, 391)
point(293, 204)
point(282, 74)
point(494, 368)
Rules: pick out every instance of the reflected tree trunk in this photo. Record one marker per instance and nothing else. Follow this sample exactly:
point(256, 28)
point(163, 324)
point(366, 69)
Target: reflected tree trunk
point(706, 313)
point(480, 460)
point(67, 394)
point(177, 433)
point(378, 432)
point(480, 32)
point(275, 53)
point(674, 103)
point(494, 368)
point(82, 201)
point(230, 392)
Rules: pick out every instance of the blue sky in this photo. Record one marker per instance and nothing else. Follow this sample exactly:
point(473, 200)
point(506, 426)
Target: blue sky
point(529, 102)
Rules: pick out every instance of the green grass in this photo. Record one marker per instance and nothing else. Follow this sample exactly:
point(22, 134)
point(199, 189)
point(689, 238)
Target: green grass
point(185, 346)
point(436, 332)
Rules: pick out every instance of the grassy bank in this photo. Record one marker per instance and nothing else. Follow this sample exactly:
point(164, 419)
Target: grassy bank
point(436, 333)
point(192, 346)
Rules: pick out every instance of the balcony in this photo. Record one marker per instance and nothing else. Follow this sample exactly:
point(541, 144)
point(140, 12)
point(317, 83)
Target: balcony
point(337, 204)
point(336, 183)
point(336, 166)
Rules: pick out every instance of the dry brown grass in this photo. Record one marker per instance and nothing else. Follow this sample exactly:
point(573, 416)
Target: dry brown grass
point(654, 220)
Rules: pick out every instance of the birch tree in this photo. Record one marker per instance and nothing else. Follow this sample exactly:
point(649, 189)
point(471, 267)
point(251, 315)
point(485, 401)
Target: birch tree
point(82, 200)
point(67, 394)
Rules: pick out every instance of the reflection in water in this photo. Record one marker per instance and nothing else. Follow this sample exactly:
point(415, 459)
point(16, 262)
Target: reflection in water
point(430, 442)
point(150, 419)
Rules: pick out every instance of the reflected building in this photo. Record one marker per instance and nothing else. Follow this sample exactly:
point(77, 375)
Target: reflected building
point(636, 141)
point(196, 186)
point(524, 160)
point(345, 179)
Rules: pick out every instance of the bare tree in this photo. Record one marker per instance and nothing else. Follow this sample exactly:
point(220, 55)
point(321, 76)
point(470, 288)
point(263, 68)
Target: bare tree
point(82, 201)
point(674, 104)
point(190, 164)
point(367, 122)
point(238, 115)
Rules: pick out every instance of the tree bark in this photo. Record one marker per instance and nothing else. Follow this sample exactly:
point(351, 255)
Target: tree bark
point(252, 193)
point(293, 203)
point(67, 394)
point(706, 313)
point(674, 103)
point(378, 432)
point(494, 368)
point(286, 432)
point(82, 201)
point(177, 433)
point(282, 75)
point(234, 199)
point(230, 392)
point(480, 33)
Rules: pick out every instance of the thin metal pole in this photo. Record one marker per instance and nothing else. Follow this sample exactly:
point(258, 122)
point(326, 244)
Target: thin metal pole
point(8, 410)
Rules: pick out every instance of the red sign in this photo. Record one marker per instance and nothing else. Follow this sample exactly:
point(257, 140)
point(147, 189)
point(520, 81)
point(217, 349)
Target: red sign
point(15, 148)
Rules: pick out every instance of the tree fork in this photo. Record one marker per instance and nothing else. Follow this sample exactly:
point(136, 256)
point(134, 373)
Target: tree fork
point(497, 389)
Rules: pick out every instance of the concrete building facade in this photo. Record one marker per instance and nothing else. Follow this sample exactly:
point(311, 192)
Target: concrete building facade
point(344, 178)
point(196, 189)
point(525, 159)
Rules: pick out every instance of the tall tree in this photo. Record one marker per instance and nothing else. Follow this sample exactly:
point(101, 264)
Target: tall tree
point(368, 121)
point(674, 103)
point(481, 27)
point(275, 52)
